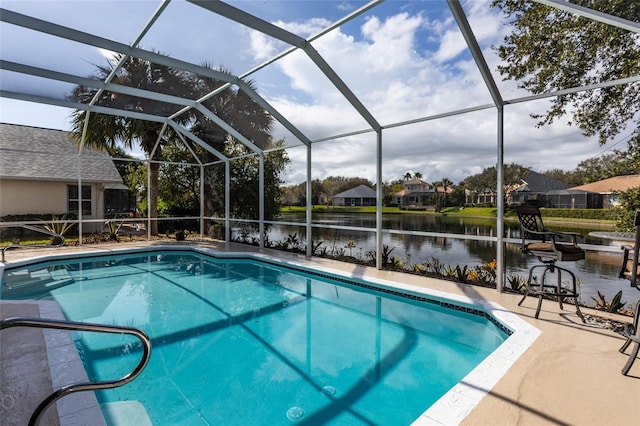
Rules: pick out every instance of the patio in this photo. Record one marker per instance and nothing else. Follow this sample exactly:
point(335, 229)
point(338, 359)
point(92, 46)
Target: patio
point(570, 375)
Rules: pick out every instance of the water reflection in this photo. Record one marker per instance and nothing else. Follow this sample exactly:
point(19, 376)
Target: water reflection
point(598, 271)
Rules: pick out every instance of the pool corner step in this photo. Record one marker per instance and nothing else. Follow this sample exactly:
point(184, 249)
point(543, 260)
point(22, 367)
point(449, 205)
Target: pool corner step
point(125, 413)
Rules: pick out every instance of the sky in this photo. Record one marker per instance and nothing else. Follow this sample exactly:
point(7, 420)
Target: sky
point(403, 60)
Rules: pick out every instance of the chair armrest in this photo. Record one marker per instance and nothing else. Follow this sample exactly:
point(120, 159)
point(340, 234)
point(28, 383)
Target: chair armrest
point(573, 236)
point(546, 233)
point(627, 266)
point(625, 258)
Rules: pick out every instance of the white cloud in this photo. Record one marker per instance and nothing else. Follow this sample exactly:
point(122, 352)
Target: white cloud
point(391, 42)
point(109, 55)
point(451, 45)
point(397, 82)
point(403, 62)
point(262, 47)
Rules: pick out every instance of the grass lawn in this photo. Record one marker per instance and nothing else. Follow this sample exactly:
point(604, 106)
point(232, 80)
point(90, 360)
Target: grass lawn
point(478, 212)
point(467, 211)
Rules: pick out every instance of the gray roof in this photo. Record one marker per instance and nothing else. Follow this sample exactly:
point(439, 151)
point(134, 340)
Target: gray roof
point(46, 154)
point(360, 191)
point(540, 183)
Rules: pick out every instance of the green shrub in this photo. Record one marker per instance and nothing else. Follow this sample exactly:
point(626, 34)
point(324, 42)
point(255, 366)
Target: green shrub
point(595, 214)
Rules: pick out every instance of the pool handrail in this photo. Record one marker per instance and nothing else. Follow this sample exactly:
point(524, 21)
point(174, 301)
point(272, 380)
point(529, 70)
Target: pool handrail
point(82, 326)
point(31, 228)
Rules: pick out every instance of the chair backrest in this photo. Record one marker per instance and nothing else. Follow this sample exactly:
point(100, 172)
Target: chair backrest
point(635, 279)
point(530, 220)
point(630, 267)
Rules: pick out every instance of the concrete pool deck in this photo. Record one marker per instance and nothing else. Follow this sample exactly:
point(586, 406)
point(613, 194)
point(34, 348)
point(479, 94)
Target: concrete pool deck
point(570, 375)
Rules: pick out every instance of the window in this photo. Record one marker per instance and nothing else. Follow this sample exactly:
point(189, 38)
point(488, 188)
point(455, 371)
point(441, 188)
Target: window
point(72, 191)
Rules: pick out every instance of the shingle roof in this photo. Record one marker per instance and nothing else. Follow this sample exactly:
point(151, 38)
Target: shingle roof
point(414, 181)
point(360, 191)
point(537, 182)
point(617, 183)
point(46, 154)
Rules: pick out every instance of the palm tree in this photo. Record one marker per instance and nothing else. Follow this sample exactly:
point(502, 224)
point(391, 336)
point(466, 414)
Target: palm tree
point(446, 183)
point(407, 176)
point(417, 175)
point(242, 113)
point(108, 131)
point(437, 201)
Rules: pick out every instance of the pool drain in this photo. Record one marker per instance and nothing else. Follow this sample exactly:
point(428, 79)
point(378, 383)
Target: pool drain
point(295, 413)
point(328, 391)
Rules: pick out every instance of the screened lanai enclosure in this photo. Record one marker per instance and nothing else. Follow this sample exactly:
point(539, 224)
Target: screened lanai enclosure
point(222, 103)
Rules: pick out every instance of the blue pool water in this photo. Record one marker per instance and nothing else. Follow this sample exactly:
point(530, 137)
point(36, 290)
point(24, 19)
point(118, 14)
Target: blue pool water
point(245, 342)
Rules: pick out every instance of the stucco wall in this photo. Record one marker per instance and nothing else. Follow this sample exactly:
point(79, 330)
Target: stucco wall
point(25, 196)
point(43, 197)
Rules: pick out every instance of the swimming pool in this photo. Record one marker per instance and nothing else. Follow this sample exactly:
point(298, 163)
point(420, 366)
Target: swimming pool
point(246, 340)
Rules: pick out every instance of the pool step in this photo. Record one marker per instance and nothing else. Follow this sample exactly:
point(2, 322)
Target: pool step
point(41, 280)
point(122, 413)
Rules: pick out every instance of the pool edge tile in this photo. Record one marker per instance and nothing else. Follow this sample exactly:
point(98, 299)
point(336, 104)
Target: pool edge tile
point(63, 359)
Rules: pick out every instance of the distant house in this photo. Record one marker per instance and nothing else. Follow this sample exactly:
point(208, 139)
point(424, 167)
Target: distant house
point(532, 189)
point(572, 199)
point(552, 193)
point(39, 174)
point(483, 197)
point(606, 188)
point(416, 192)
point(361, 195)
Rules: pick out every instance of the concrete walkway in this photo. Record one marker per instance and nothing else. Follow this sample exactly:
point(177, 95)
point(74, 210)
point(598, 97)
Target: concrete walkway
point(23, 355)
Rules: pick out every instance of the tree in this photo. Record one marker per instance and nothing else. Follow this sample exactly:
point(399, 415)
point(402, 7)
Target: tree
point(245, 115)
point(550, 49)
point(562, 176)
point(437, 200)
point(446, 184)
point(179, 181)
point(390, 188)
point(619, 163)
point(629, 204)
point(336, 184)
point(245, 181)
point(417, 175)
point(486, 181)
point(458, 196)
point(407, 176)
point(109, 131)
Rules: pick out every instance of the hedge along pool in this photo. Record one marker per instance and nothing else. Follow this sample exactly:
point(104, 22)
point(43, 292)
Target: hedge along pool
point(242, 339)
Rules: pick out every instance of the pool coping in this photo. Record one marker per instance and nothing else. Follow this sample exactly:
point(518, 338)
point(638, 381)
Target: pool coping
point(451, 408)
point(65, 368)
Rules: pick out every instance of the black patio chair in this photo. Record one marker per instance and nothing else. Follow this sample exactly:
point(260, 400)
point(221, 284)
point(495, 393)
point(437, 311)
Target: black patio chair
point(549, 247)
point(632, 333)
point(630, 269)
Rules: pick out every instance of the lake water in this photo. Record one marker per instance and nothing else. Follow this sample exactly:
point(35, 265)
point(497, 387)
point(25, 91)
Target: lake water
point(598, 272)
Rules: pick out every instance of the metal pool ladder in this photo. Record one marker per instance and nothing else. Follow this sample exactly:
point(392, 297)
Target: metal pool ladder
point(81, 326)
point(32, 228)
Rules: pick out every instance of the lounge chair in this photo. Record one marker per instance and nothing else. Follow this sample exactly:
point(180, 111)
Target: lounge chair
point(632, 333)
point(630, 269)
point(549, 247)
